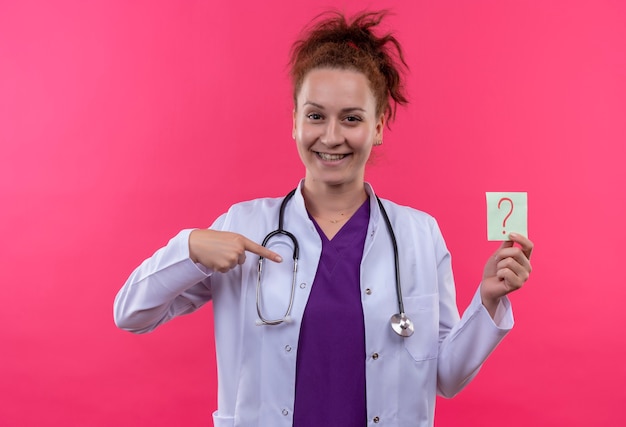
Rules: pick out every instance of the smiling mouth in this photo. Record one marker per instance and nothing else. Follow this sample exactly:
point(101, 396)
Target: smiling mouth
point(330, 157)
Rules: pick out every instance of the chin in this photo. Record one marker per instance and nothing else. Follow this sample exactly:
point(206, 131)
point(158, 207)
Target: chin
point(334, 182)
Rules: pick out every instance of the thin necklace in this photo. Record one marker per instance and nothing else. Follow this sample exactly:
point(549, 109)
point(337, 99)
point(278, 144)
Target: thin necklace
point(335, 221)
point(343, 216)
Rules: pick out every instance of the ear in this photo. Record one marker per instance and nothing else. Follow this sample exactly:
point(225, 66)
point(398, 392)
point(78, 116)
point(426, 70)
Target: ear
point(293, 127)
point(380, 126)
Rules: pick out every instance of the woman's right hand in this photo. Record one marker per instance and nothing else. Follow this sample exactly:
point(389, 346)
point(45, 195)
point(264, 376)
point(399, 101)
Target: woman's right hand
point(222, 250)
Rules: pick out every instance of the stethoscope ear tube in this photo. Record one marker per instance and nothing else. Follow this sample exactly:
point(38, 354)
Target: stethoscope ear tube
point(287, 316)
point(296, 255)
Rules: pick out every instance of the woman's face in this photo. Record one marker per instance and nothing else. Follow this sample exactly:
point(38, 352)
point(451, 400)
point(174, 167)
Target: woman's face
point(335, 126)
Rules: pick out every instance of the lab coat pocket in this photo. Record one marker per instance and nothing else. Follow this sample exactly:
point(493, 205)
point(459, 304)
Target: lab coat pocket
point(219, 421)
point(423, 311)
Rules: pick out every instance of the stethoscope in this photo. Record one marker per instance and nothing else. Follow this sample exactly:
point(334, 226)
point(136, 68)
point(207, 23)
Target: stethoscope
point(400, 323)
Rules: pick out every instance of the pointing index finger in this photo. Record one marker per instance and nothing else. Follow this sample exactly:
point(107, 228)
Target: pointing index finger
point(260, 250)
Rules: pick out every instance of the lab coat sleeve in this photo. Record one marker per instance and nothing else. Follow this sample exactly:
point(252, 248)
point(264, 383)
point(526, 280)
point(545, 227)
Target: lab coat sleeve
point(466, 343)
point(166, 285)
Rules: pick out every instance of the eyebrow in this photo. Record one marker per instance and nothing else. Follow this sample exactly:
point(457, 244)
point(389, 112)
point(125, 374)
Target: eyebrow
point(343, 110)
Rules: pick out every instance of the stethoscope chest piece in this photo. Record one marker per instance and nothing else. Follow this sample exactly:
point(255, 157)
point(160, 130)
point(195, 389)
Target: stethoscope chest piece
point(402, 325)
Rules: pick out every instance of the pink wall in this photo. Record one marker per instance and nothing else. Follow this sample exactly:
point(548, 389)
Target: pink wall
point(123, 122)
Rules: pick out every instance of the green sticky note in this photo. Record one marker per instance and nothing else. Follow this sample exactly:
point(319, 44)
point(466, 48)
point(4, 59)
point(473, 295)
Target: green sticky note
point(507, 212)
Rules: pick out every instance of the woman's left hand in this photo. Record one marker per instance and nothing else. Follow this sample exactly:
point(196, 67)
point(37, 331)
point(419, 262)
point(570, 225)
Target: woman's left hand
point(506, 271)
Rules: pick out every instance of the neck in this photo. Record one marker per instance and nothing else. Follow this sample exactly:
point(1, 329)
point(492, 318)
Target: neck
point(333, 203)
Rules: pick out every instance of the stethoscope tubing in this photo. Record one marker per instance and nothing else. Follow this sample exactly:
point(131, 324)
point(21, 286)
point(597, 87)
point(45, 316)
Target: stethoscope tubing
point(396, 258)
point(400, 323)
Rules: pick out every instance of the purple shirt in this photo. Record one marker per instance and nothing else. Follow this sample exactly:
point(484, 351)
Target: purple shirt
point(330, 366)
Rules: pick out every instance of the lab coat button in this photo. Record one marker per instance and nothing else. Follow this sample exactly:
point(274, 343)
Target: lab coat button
point(287, 348)
point(302, 285)
point(285, 412)
point(376, 419)
point(375, 356)
point(368, 291)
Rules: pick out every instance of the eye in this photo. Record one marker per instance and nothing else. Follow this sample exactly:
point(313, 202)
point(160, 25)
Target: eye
point(314, 116)
point(353, 119)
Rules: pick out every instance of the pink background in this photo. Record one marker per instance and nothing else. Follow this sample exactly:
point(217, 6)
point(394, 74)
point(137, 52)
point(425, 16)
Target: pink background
point(123, 122)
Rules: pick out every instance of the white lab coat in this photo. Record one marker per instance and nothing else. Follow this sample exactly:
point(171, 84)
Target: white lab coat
point(257, 364)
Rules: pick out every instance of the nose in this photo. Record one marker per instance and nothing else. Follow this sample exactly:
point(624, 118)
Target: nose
point(332, 135)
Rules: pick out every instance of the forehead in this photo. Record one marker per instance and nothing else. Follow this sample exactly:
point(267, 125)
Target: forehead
point(336, 87)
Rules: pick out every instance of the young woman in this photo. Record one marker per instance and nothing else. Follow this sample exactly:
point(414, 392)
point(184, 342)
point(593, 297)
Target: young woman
point(366, 329)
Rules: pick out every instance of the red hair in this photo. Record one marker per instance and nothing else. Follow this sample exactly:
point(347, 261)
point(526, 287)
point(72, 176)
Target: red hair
point(332, 41)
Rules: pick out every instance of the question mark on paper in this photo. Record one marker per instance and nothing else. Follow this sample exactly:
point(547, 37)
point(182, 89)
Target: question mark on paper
point(505, 199)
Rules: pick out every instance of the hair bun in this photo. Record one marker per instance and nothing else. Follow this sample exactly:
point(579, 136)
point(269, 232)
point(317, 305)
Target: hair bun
point(333, 41)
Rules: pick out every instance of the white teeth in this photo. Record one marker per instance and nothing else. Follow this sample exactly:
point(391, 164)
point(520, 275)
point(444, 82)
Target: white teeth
point(330, 157)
